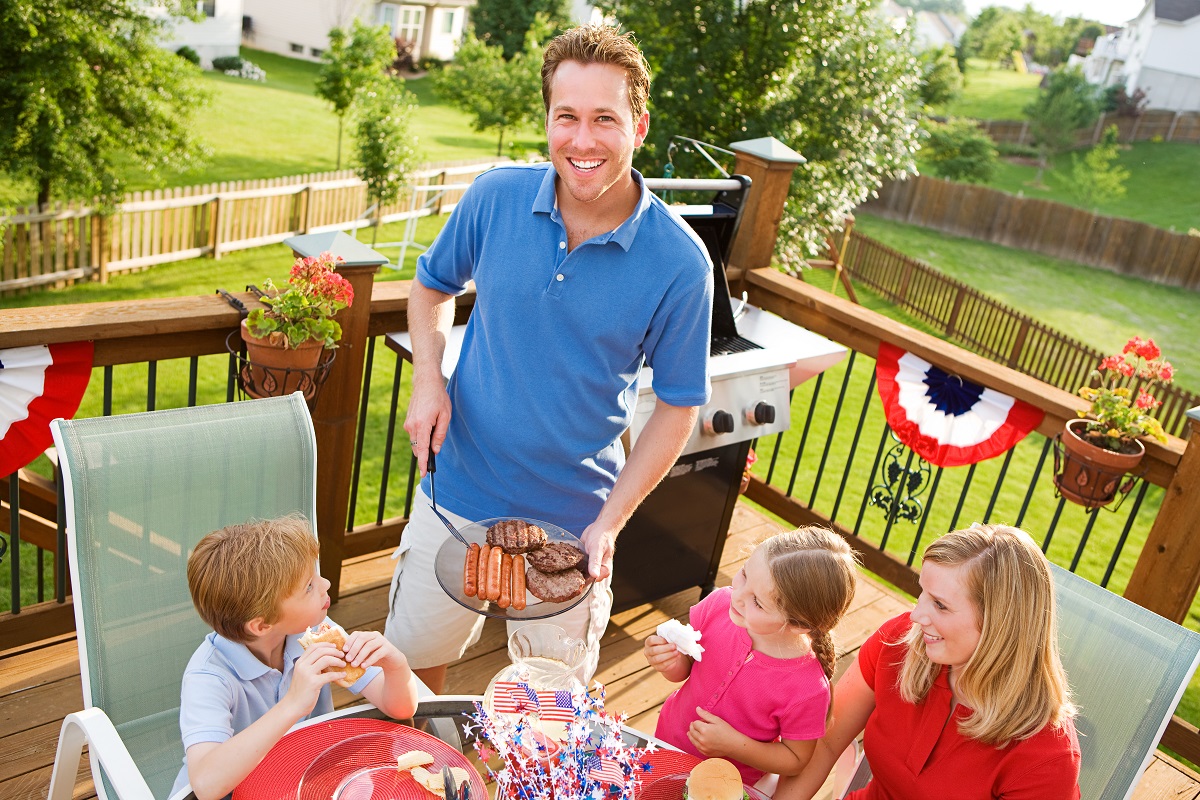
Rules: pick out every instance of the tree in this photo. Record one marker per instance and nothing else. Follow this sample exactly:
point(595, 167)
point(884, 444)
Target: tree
point(85, 90)
point(387, 151)
point(353, 61)
point(958, 150)
point(941, 80)
point(500, 95)
point(1097, 177)
point(1066, 103)
point(504, 23)
point(825, 77)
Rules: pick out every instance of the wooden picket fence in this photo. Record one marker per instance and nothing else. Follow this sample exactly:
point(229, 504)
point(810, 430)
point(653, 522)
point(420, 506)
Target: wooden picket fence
point(1156, 124)
point(989, 327)
point(67, 242)
point(1043, 226)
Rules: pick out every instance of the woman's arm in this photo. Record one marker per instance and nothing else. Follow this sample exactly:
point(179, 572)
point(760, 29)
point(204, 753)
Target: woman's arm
point(853, 702)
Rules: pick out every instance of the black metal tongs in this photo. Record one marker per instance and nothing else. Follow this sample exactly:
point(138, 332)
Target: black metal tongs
point(432, 467)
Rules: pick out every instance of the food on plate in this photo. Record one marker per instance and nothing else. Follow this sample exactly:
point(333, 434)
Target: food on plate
point(505, 599)
point(555, 587)
point(495, 560)
point(415, 758)
point(685, 638)
point(555, 557)
point(332, 632)
point(516, 536)
point(714, 779)
point(471, 571)
point(485, 554)
point(432, 781)
point(518, 583)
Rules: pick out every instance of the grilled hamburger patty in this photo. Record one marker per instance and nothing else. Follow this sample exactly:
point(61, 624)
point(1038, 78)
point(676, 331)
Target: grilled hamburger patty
point(515, 536)
point(555, 557)
point(555, 587)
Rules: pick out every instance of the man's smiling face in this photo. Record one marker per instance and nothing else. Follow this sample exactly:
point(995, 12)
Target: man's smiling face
point(590, 128)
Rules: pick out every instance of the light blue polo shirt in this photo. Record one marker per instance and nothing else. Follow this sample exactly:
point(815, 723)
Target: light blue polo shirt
point(226, 689)
point(547, 379)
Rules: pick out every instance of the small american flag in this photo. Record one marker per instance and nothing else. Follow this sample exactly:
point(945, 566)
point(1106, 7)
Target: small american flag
point(604, 769)
point(556, 706)
point(513, 698)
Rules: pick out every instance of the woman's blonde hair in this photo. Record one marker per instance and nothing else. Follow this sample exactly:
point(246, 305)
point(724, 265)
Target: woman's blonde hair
point(243, 572)
point(814, 576)
point(599, 44)
point(1014, 682)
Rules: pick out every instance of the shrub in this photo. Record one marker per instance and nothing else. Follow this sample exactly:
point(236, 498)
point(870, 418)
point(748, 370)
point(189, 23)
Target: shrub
point(1125, 105)
point(959, 151)
point(250, 71)
point(227, 63)
point(404, 55)
point(188, 54)
point(430, 63)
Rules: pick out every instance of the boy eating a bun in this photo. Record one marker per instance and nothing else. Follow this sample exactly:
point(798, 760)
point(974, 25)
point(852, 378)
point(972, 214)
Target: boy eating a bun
point(262, 670)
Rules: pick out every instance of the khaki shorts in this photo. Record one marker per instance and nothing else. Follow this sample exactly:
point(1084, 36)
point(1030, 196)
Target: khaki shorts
point(431, 629)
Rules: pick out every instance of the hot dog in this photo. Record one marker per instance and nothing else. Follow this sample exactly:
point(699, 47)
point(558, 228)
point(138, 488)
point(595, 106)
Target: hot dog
point(506, 565)
point(332, 633)
point(482, 576)
point(471, 571)
point(493, 584)
point(518, 583)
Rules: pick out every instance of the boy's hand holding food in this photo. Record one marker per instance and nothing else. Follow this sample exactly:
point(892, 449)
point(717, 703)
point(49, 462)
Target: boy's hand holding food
point(331, 633)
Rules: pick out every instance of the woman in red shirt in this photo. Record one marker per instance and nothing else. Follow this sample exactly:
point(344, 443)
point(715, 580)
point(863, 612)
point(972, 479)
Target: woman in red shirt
point(965, 696)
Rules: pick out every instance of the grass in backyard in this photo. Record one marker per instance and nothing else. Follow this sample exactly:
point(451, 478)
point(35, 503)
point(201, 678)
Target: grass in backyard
point(992, 93)
point(1098, 308)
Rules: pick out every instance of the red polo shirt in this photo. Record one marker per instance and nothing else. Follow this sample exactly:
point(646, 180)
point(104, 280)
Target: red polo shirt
point(917, 753)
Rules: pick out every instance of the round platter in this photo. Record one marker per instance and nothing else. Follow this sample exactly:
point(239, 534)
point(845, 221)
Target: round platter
point(668, 777)
point(449, 569)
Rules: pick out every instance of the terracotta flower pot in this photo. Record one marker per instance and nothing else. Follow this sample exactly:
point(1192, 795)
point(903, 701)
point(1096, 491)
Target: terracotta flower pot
point(1091, 475)
point(274, 369)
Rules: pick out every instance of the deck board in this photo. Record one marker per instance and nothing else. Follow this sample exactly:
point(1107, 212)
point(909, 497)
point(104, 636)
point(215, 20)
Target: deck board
point(39, 684)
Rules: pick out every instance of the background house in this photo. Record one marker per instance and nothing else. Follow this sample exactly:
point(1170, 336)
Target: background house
point(218, 34)
point(300, 28)
point(930, 30)
point(1156, 52)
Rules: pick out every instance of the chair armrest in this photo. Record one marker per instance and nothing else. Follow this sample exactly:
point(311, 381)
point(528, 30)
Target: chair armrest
point(93, 727)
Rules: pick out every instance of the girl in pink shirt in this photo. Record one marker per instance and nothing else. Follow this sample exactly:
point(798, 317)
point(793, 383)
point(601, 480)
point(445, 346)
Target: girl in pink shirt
point(760, 693)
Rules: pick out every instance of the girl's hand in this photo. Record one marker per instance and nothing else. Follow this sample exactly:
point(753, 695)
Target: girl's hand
point(664, 656)
point(714, 737)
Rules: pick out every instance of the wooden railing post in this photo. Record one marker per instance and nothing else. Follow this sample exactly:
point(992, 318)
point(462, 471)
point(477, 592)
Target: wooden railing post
point(1167, 574)
point(335, 417)
point(769, 163)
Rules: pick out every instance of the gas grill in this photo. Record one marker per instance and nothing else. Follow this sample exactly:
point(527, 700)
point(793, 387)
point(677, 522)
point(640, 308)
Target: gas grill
point(675, 538)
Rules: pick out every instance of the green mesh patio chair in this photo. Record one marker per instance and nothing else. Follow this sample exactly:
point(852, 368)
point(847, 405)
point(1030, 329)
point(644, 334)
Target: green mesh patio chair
point(1128, 668)
point(141, 490)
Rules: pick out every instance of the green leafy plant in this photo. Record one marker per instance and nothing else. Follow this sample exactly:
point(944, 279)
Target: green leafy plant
point(305, 309)
point(1121, 404)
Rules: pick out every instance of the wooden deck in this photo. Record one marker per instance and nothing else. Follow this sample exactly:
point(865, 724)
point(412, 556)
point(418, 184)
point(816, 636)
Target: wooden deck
point(40, 684)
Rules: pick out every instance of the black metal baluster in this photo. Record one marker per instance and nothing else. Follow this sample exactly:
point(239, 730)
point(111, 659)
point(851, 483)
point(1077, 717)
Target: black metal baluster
point(151, 384)
point(912, 554)
point(837, 413)
point(1092, 514)
point(812, 407)
point(1037, 471)
point(862, 419)
point(231, 378)
point(360, 429)
point(41, 575)
point(1112, 562)
point(108, 390)
point(1053, 524)
point(987, 515)
point(862, 509)
point(962, 497)
point(779, 439)
point(14, 542)
point(193, 379)
point(894, 505)
point(389, 443)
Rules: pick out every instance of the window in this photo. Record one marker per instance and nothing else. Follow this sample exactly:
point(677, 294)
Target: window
point(412, 18)
point(208, 7)
point(448, 21)
point(315, 52)
point(297, 48)
point(387, 16)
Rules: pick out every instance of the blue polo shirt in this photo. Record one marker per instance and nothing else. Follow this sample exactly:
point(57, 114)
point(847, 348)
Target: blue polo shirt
point(547, 380)
point(226, 689)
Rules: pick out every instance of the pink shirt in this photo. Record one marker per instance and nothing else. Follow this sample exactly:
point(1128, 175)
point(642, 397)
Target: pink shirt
point(762, 697)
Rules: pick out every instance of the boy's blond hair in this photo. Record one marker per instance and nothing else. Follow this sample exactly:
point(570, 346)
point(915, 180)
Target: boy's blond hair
point(599, 44)
point(243, 572)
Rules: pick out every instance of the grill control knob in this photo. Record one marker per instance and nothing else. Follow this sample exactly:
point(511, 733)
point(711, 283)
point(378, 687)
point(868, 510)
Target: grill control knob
point(761, 414)
point(719, 422)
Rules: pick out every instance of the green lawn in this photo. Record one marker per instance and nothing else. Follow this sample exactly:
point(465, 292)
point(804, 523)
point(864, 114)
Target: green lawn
point(268, 130)
point(992, 93)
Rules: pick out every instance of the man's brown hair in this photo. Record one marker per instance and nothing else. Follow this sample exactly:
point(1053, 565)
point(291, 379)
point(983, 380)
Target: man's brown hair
point(243, 572)
point(599, 44)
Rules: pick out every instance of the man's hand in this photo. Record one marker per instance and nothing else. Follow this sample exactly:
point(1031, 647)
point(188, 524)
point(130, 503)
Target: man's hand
point(599, 542)
point(427, 419)
point(713, 736)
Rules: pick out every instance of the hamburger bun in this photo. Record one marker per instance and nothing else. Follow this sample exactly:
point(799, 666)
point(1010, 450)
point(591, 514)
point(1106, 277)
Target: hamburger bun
point(714, 779)
point(333, 633)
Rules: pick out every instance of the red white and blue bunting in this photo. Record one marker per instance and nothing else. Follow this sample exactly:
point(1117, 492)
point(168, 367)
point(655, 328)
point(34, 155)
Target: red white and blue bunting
point(38, 384)
point(945, 420)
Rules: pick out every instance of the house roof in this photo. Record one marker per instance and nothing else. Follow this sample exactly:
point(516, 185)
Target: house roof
point(1176, 10)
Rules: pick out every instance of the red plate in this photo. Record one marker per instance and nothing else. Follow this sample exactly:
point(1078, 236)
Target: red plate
point(354, 759)
point(667, 779)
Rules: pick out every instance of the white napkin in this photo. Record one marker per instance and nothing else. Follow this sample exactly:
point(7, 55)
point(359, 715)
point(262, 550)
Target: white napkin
point(684, 637)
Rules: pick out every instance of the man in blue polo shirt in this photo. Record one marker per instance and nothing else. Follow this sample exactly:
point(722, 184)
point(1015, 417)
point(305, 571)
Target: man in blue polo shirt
point(581, 277)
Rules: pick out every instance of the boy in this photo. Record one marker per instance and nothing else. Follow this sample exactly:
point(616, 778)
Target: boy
point(257, 585)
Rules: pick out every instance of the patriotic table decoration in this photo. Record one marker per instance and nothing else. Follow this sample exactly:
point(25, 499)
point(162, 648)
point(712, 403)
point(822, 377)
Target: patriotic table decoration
point(37, 384)
point(944, 419)
point(590, 763)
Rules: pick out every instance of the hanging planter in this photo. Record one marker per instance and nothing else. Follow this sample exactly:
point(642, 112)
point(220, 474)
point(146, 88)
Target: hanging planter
point(1089, 475)
point(270, 368)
